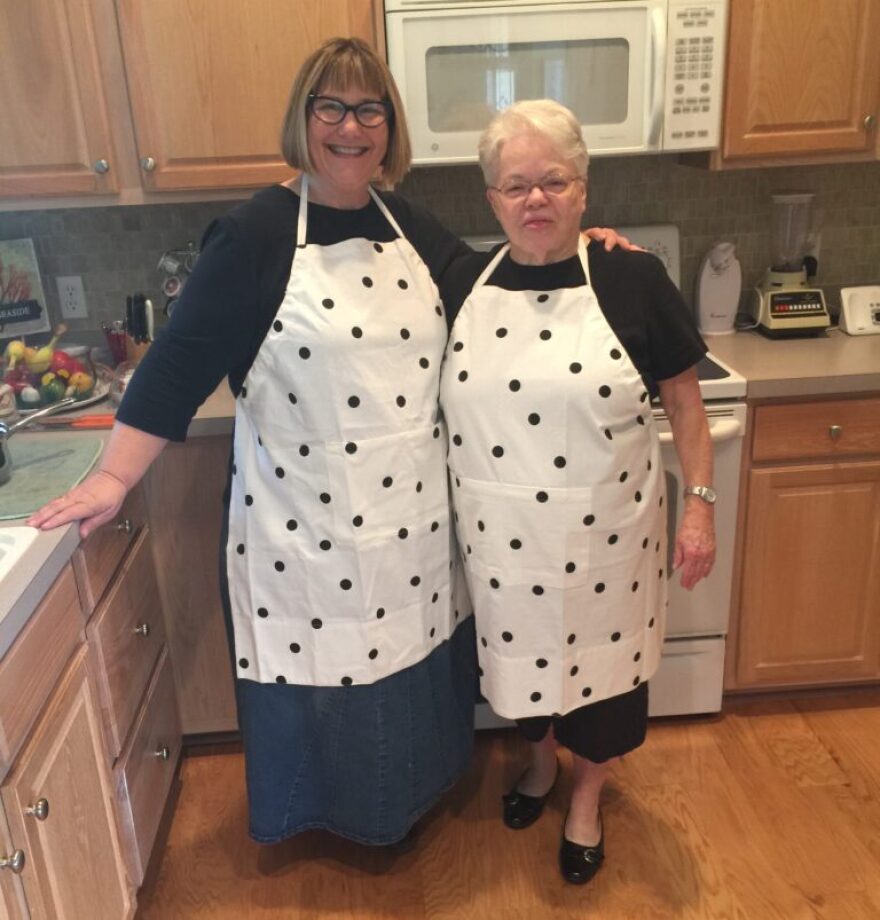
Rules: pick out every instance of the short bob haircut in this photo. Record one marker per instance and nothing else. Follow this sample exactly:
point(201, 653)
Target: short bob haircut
point(344, 64)
point(543, 117)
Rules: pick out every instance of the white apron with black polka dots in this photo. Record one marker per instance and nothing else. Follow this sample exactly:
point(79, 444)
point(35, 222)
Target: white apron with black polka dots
point(339, 540)
point(558, 495)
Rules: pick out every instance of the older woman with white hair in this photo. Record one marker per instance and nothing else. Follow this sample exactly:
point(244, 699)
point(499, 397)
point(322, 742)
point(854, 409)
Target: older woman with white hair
point(555, 458)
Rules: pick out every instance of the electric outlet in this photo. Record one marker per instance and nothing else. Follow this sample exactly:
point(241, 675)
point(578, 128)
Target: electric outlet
point(72, 297)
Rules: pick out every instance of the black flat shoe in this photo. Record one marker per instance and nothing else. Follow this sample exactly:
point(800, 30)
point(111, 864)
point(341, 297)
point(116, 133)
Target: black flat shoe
point(578, 863)
point(521, 810)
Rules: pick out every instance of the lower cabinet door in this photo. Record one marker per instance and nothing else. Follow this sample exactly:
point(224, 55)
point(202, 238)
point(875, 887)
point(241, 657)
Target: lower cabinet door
point(145, 771)
point(57, 800)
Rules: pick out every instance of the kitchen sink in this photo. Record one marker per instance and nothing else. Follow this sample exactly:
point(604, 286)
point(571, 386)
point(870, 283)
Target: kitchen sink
point(14, 543)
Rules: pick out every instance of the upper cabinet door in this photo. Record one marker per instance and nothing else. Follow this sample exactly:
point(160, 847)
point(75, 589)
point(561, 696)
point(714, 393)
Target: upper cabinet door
point(802, 78)
point(209, 80)
point(56, 136)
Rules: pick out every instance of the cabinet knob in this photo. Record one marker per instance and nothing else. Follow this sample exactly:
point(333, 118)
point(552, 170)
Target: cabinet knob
point(142, 629)
point(125, 526)
point(164, 752)
point(40, 811)
point(148, 164)
point(101, 166)
point(834, 432)
point(869, 122)
point(14, 862)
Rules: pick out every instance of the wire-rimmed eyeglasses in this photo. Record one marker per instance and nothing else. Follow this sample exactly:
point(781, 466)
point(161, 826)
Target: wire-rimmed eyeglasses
point(518, 189)
point(332, 111)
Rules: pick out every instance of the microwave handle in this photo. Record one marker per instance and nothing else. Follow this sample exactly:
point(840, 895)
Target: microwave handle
point(658, 76)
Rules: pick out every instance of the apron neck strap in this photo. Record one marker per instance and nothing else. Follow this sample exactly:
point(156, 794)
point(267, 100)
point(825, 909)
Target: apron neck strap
point(502, 252)
point(582, 255)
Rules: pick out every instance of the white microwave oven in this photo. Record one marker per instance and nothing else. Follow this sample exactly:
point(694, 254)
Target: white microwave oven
point(643, 76)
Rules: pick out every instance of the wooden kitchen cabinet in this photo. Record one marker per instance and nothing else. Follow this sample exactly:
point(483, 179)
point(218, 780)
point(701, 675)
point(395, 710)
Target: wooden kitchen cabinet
point(803, 81)
point(56, 121)
point(808, 610)
point(58, 803)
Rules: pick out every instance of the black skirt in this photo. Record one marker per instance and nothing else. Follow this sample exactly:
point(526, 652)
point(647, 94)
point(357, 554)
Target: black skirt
point(598, 731)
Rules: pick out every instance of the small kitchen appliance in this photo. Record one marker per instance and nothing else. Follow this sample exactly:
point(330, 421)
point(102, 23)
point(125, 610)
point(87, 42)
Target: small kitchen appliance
point(860, 310)
point(719, 282)
point(785, 305)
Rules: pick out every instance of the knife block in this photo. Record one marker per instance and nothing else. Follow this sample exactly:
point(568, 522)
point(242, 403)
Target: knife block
point(134, 351)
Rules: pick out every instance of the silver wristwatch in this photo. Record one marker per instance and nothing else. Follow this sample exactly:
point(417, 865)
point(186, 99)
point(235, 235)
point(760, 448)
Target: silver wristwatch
point(706, 493)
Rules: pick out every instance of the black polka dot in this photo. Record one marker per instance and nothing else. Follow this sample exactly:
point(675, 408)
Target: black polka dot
point(244, 392)
point(262, 612)
point(373, 654)
point(559, 462)
point(415, 581)
point(534, 418)
point(660, 573)
point(501, 332)
point(514, 385)
point(345, 584)
point(346, 681)
point(468, 549)
point(458, 346)
point(431, 633)
point(541, 663)
point(279, 566)
point(304, 352)
point(640, 420)
point(657, 547)
point(608, 434)
point(541, 496)
point(456, 440)
point(292, 398)
point(280, 679)
point(325, 545)
point(651, 623)
point(483, 642)
point(462, 376)
point(574, 670)
point(367, 281)
point(419, 486)
point(571, 638)
point(600, 587)
point(507, 636)
point(325, 498)
point(403, 533)
point(259, 441)
point(575, 367)
point(357, 520)
point(277, 325)
point(351, 447)
point(543, 298)
point(243, 663)
point(279, 472)
point(354, 401)
point(327, 303)
point(635, 586)
point(402, 284)
point(545, 334)
point(605, 391)
point(401, 401)
point(494, 583)
point(515, 544)
point(357, 332)
point(645, 543)
point(481, 526)
point(615, 637)
point(644, 396)
point(637, 656)
point(380, 612)
point(248, 500)
point(612, 539)
point(537, 590)
point(623, 476)
point(535, 697)
point(387, 482)
point(294, 647)
point(661, 502)
point(638, 496)
point(316, 623)
point(649, 466)
point(438, 310)
point(435, 597)
point(304, 450)
point(497, 451)
point(570, 567)
point(378, 247)
point(292, 524)
point(404, 334)
point(615, 353)
point(586, 691)
point(434, 526)
point(424, 362)
point(589, 519)
point(636, 681)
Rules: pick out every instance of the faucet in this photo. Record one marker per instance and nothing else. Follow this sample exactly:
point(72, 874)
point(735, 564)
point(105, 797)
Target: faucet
point(6, 432)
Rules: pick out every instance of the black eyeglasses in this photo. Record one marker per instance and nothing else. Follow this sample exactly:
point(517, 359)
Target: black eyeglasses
point(332, 111)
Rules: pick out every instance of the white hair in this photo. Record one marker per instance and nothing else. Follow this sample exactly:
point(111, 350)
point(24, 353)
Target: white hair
point(544, 117)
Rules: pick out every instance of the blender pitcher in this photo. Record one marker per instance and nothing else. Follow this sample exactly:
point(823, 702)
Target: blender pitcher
point(791, 229)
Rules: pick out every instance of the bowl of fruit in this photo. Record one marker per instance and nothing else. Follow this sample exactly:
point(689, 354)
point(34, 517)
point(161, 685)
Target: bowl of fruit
point(45, 375)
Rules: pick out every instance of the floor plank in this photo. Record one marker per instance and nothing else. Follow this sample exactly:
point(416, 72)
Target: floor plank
point(770, 812)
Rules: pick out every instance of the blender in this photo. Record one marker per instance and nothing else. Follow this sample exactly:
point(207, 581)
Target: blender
point(784, 304)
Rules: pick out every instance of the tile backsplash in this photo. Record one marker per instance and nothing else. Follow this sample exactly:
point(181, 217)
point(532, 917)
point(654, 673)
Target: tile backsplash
point(116, 249)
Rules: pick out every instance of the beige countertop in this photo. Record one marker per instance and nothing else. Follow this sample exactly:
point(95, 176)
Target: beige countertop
point(835, 363)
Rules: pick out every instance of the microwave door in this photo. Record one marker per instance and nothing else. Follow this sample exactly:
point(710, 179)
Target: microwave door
point(457, 67)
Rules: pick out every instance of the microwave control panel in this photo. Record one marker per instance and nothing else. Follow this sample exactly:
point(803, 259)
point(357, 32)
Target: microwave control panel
point(694, 74)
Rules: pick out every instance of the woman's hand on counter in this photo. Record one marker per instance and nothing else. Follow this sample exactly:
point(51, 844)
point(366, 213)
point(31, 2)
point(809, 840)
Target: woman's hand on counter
point(93, 502)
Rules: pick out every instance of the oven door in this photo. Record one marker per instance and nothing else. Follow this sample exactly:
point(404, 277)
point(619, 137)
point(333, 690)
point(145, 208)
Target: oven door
point(457, 66)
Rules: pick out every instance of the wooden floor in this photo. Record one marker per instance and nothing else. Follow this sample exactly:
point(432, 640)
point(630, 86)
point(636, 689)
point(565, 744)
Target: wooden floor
point(771, 811)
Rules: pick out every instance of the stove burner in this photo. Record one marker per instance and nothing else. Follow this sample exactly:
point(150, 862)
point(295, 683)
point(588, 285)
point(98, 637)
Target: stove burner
point(707, 369)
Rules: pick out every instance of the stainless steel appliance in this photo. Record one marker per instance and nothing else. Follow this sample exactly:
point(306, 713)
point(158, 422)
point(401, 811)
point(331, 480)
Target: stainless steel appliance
point(691, 672)
point(642, 76)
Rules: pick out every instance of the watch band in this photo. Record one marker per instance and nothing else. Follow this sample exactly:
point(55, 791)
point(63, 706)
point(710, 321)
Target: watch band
point(706, 493)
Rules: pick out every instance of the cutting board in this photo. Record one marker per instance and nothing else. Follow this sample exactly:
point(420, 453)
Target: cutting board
point(44, 468)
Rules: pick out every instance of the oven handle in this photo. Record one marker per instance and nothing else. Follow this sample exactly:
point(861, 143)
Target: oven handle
point(725, 430)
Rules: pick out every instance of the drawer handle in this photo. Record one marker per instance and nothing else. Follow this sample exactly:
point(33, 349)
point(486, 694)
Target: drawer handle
point(142, 630)
point(125, 526)
point(834, 432)
point(40, 811)
point(14, 862)
point(164, 752)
